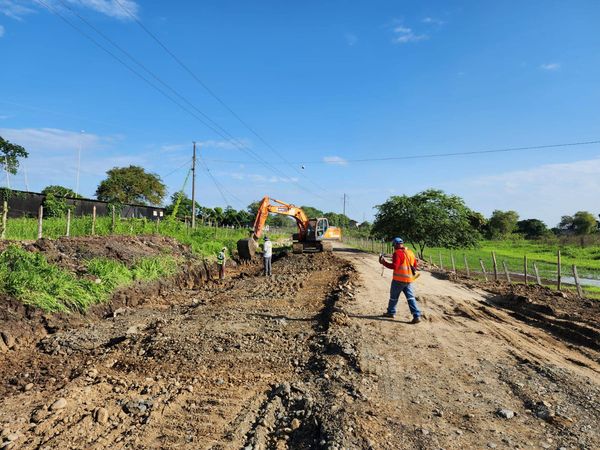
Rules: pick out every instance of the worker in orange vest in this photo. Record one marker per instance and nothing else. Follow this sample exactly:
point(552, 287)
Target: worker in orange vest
point(404, 265)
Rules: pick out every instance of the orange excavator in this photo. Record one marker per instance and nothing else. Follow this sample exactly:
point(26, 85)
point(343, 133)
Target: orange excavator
point(313, 234)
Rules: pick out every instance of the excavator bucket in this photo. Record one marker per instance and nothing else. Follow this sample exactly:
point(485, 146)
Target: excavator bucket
point(247, 248)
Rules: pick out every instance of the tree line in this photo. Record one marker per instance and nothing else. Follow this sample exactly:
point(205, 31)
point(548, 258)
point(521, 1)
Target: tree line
point(429, 218)
point(433, 218)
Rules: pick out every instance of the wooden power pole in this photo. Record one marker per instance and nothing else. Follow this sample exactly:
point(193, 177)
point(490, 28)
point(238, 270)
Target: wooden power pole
point(194, 187)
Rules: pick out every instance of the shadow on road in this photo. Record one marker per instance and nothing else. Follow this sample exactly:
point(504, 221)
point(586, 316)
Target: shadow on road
point(379, 317)
point(347, 250)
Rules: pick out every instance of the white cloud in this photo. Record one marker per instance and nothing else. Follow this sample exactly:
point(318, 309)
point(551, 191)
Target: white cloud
point(118, 9)
point(52, 139)
point(1, 31)
point(257, 178)
point(546, 192)
point(335, 160)
point(15, 9)
point(550, 66)
point(351, 39)
point(404, 35)
point(432, 21)
point(236, 144)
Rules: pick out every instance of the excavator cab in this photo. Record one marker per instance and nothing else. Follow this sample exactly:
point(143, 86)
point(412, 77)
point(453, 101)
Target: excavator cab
point(316, 232)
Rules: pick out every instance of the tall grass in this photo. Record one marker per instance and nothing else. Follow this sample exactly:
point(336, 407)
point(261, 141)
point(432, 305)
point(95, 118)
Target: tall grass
point(205, 241)
point(31, 279)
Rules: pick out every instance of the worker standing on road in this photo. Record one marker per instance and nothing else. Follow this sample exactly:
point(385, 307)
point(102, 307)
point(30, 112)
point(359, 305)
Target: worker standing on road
point(404, 265)
point(267, 255)
point(221, 262)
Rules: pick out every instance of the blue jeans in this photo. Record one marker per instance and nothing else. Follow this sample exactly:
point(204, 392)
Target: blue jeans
point(267, 261)
point(396, 289)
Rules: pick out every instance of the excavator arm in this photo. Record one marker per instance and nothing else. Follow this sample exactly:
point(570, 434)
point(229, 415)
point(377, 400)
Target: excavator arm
point(265, 208)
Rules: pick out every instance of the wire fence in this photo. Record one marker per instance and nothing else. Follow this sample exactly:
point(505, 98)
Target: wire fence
point(490, 266)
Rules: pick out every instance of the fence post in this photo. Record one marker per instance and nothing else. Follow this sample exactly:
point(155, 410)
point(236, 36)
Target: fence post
point(40, 221)
point(94, 220)
point(576, 276)
point(506, 272)
point(483, 269)
point(430, 262)
point(525, 267)
point(467, 266)
point(157, 224)
point(537, 274)
point(68, 233)
point(558, 280)
point(4, 218)
point(441, 262)
point(495, 266)
point(114, 220)
point(453, 262)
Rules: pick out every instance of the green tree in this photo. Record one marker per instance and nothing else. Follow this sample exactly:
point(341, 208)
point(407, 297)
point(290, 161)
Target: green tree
point(428, 219)
point(131, 185)
point(532, 228)
point(59, 191)
point(183, 204)
point(10, 154)
point(584, 223)
point(55, 203)
point(312, 213)
point(502, 223)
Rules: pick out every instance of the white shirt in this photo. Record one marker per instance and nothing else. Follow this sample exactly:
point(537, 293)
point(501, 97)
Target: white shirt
point(268, 249)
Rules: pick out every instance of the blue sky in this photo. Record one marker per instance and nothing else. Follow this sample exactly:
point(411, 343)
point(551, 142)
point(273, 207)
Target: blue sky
point(322, 83)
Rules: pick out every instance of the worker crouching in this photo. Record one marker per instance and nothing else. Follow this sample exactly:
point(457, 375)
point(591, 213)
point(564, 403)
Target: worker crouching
point(404, 265)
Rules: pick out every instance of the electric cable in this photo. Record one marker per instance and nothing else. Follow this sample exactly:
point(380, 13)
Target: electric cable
point(215, 128)
point(210, 91)
point(432, 155)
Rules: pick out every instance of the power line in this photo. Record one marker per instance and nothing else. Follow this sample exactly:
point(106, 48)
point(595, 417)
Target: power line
point(219, 186)
point(215, 128)
point(205, 120)
point(433, 155)
point(177, 169)
point(208, 89)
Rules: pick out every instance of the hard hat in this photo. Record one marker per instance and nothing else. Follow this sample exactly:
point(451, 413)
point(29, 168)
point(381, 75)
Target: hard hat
point(397, 240)
point(223, 249)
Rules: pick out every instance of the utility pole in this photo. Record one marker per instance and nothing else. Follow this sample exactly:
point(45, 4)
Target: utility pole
point(344, 204)
point(194, 187)
point(79, 161)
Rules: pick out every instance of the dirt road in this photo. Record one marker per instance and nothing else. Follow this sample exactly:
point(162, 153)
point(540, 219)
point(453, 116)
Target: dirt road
point(443, 382)
point(300, 360)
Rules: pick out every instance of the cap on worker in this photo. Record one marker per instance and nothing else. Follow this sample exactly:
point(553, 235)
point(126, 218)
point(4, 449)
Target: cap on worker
point(397, 240)
point(266, 238)
point(223, 249)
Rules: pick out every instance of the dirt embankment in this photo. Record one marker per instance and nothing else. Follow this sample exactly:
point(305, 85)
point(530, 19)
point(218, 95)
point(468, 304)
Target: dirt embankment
point(23, 324)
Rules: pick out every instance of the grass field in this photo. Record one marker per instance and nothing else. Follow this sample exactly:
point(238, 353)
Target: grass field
point(204, 241)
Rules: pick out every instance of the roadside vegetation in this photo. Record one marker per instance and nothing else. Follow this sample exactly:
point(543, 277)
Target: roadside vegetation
point(31, 279)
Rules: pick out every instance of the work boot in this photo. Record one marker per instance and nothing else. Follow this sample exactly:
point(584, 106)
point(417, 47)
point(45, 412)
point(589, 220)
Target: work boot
point(388, 315)
point(416, 319)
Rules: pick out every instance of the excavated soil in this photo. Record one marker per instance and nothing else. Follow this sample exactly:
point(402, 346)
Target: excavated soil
point(224, 365)
point(304, 360)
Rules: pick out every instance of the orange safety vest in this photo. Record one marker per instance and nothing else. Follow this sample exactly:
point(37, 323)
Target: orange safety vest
point(404, 273)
